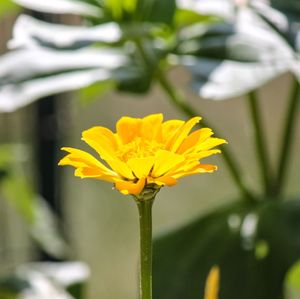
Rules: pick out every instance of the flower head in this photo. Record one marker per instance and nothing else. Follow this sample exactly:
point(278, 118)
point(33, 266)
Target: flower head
point(144, 152)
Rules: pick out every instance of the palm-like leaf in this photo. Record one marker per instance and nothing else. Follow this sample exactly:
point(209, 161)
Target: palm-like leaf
point(255, 44)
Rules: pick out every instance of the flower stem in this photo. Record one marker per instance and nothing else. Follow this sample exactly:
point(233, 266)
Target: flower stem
point(286, 141)
point(181, 104)
point(264, 161)
point(145, 215)
point(188, 110)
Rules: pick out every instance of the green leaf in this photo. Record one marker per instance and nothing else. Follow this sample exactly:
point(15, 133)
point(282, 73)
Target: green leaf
point(12, 286)
point(120, 8)
point(219, 80)
point(293, 277)
point(46, 230)
point(185, 17)
point(8, 7)
point(224, 9)
point(42, 223)
point(62, 280)
point(231, 238)
point(21, 196)
point(292, 6)
point(94, 92)
point(156, 11)
point(71, 276)
point(31, 32)
point(29, 74)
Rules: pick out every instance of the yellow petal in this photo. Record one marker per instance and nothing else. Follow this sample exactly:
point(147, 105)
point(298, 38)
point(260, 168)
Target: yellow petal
point(164, 161)
point(121, 168)
point(152, 127)
point(209, 143)
point(79, 158)
point(102, 140)
point(201, 155)
point(212, 284)
point(201, 168)
point(194, 138)
point(182, 133)
point(130, 187)
point(165, 180)
point(141, 166)
point(128, 128)
point(85, 172)
point(170, 128)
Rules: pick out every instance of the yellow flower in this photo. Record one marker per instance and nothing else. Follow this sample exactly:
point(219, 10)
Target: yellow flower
point(144, 152)
point(212, 284)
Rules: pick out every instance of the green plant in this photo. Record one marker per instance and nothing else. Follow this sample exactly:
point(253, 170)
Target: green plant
point(230, 50)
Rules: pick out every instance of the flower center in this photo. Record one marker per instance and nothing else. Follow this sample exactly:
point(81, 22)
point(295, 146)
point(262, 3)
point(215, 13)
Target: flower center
point(139, 148)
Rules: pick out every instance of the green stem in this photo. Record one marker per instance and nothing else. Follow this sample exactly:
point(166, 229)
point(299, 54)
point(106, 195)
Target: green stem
point(286, 141)
point(188, 110)
point(264, 161)
point(180, 103)
point(145, 214)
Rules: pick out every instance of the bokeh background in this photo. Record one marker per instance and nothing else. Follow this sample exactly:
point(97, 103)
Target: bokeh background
point(101, 225)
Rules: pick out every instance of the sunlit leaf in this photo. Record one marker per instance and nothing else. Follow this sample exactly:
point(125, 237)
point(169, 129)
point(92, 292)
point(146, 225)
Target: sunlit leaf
point(30, 32)
point(221, 8)
point(51, 72)
point(235, 57)
point(293, 277)
point(95, 91)
point(46, 280)
point(218, 80)
point(184, 17)
point(8, 7)
point(71, 276)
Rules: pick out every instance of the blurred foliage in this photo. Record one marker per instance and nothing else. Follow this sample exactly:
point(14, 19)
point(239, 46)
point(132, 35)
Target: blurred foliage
point(46, 281)
point(8, 7)
point(229, 238)
point(42, 224)
point(230, 48)
point(293, 277)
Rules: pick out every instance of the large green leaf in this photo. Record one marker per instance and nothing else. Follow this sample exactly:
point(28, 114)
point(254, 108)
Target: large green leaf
point(30, 32)
point(244, 48)
point(217, 80)
point(254, 245)
point(29, 74)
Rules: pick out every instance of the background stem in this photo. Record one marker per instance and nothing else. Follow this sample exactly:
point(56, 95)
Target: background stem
point(182, 105)
point(263, 158)
point(179, 102)
point(286, 140)
point(145, 215)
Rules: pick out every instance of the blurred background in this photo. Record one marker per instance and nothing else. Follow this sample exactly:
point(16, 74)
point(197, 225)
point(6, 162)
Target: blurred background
point(100, 225)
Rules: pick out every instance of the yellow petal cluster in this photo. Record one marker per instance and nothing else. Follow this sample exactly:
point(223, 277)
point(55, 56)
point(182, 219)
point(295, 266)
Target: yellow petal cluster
point(212, 284)
point(144, 151)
